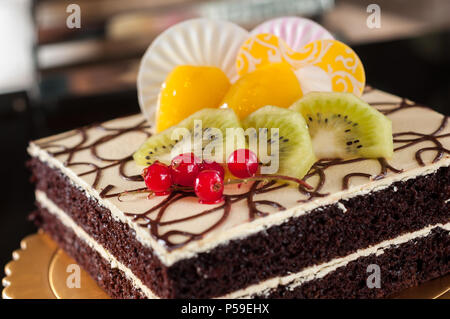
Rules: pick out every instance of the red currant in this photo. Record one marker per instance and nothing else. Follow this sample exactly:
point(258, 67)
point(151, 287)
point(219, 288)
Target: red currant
point(209, 187)
point(185, 168)
point(243, 163)
point(214, 166)
point(158, 179)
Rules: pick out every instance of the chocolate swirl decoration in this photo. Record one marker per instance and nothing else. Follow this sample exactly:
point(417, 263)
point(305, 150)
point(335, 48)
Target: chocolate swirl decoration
point(83, 145)
point(153, 217)
point(320, 166)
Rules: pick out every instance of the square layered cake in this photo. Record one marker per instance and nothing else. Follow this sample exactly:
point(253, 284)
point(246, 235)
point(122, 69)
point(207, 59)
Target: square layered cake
point(266, 240)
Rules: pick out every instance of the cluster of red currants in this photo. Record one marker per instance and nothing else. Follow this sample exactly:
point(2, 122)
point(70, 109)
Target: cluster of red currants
point(205, 178)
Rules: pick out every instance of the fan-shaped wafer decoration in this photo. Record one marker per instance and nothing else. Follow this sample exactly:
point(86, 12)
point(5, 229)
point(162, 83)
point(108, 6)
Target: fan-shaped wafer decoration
point(330, 63)
point(339, 61)
point(198, 42)
point(321, 65)
point(296, 32)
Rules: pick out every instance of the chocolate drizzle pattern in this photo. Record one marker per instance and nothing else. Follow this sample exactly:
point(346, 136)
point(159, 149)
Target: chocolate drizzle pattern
point(153, 217)
point(113, 133)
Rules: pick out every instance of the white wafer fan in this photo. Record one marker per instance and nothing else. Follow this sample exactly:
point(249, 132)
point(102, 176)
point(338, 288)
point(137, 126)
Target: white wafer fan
point(198, 42)
point(296, 32)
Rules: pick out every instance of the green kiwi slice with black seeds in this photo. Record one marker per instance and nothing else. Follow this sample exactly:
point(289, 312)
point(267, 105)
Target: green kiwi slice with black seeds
point(203, 128)
point(294, 153)
point(344, 126)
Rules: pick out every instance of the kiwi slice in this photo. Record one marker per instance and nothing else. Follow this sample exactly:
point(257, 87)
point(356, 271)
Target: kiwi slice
point(288, 140)
point(206, 133)
point(344, 126)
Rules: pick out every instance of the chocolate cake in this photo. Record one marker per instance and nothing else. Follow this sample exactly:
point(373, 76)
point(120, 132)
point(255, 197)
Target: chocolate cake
point(265, 240)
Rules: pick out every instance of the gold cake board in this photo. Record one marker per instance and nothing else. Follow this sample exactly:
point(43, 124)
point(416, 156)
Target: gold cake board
point(39, 270)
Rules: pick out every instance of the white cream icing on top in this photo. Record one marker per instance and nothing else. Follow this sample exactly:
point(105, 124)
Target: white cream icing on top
point(237, 225)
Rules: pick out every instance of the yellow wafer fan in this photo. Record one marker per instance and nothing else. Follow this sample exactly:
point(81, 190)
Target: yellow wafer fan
point(335, 59)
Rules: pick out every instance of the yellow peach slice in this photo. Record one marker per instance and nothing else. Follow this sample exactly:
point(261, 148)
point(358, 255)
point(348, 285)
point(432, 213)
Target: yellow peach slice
point(188, 89)
point(274, 84)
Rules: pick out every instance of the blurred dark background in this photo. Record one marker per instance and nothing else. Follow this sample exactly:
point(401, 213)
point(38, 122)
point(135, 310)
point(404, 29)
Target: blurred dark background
point(53, 78)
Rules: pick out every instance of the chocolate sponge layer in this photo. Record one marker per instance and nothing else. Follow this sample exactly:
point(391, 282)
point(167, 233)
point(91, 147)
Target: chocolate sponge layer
point(112, 281)
point(319, 236)
point(402, 266)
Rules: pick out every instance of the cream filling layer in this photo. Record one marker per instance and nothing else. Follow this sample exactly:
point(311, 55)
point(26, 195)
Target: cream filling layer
point(241, 231)
point(46, 203)
point(290, 281)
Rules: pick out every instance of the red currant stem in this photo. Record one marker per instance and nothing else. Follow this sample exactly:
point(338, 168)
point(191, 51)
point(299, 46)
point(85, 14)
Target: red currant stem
point(172, 188)
point(150, 193)
point(119, 197)
point(269, 177)
point(182, 188)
